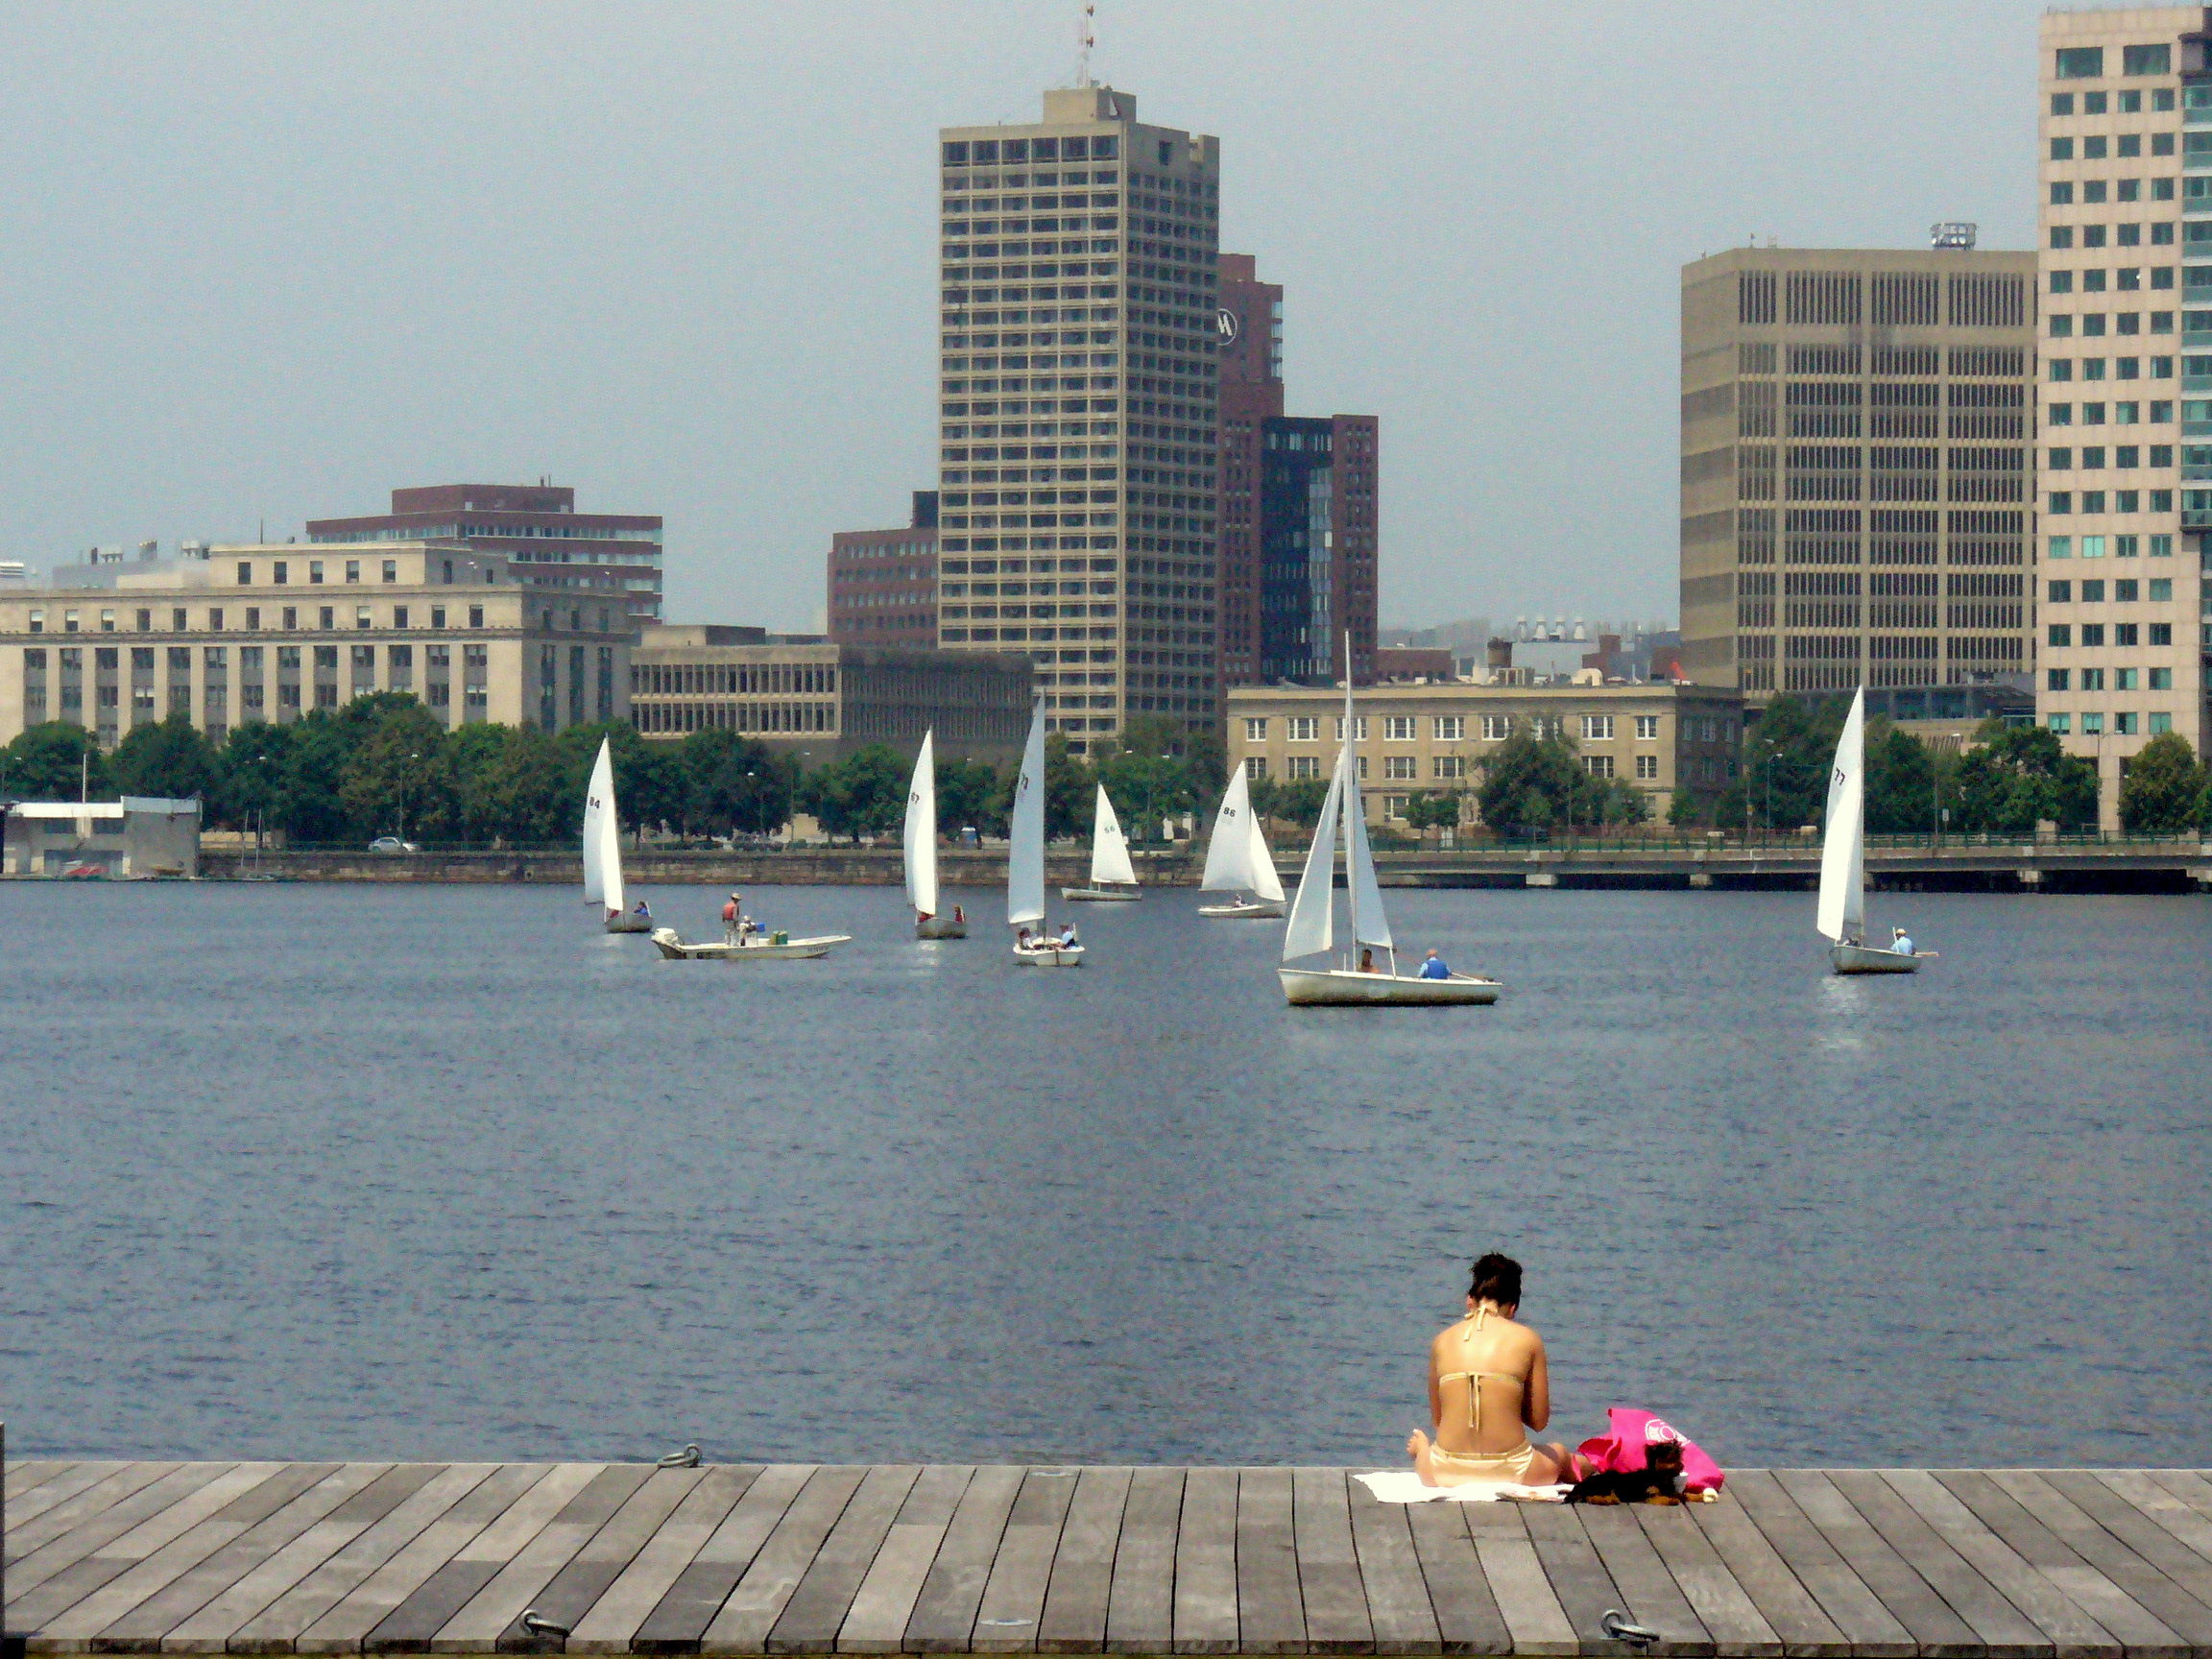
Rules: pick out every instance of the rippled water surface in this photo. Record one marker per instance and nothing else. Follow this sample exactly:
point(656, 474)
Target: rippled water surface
point(315, 1170)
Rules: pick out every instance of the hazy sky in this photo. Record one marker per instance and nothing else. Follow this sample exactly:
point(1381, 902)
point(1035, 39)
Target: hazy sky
point(268, 258)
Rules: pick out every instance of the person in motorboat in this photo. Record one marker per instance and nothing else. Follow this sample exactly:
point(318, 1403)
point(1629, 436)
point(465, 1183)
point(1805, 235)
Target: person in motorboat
point(1434, 967)
point(1901, 942)
point(1488, 1382)
point(731, 914)
point(1367, 963)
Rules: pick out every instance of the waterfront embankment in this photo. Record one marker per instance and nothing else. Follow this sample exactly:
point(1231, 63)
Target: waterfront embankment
point(592, 1557)
point(1959, 866)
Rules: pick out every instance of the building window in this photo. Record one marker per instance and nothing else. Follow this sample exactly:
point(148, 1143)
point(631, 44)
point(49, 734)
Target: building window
point(1255, 728)
point(1359, 728)
point(1255, 767)
point(1301, 766)
point(313, 571)
point(1497, 727)
point(1598, 766)
point(245, 574)
point(1398, 767)
point(391, 569)
point(476, 616)
point(1394, 807)
point(2062, 724)
point(1647, 728)
point(2161, 723)
point(353, 570)
point(1303, 728)
point(1449, 766)
point(1646, 768)
point(1397, 727)
point(1597, 729)
point(1451, 728)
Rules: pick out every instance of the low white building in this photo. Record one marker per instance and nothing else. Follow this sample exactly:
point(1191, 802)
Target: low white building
point(137, 836)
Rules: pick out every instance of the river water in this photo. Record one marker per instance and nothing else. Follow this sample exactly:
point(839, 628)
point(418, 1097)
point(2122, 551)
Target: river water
point(312, 1171)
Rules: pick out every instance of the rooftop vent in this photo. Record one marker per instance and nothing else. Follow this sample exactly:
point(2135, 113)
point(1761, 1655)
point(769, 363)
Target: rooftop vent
point(1951, 233)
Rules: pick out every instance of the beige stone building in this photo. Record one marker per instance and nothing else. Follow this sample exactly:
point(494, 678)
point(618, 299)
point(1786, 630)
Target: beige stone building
point(1856, 477)
point(1435, 736)
point(825, 700)
point(234, 634)
point(2124, 463)
point(1077, 408)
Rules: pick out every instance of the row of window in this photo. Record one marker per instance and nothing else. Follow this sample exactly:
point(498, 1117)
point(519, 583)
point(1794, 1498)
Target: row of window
point(2108, 678)
point(2088, 64)
point(2096, 146)
point(2089, 236)
point(2123, 546)
point(214, 700)
point(2125, 724)
point(215, 659)
point(2124, 456)
point(2127, 413)
point(1453, 728)
point(1443, 769)
point(2123, 368)
point(217, 618)
point(2122, 323)
point(2062, 502)
point(2125, 278)
point(2124, 633)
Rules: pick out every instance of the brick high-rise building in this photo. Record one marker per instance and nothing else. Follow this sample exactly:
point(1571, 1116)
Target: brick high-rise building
point(883, 582)
point(1857, 426)
point(1078, 408)
point(1299, 509)
point(535, 527)
point(1251, 324)
point(2125, 110)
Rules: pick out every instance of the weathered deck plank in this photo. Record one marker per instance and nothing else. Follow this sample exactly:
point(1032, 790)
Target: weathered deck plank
point(269, 1558)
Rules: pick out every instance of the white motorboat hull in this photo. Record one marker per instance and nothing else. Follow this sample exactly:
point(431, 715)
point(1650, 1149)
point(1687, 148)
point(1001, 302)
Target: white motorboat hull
point(1102, 895)
point(1343, 988)
point(676, 949)
point(628, 924)
point(1259, 910)
point(939, 927)
point(1865, 959)
point(1051, 956)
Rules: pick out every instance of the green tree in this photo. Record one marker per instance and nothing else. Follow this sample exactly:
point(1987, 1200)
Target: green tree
point(735, 786)
point(1199, 748)
point(1067, 791)
point(165, 757)
point(523, 795)
point(1607, 802)
point(1787, 756)
point(968, 796)
point(1440, 810)
point(864, 794)
point(1264, 793)
point(1530, 784)
point(252, 764)
point(1683, 811)
point(1300, 801)
point(2162, 788)
point(51, 760)
point(2017, 776)
point(309, 806)
point(1901, 779)
point(398, 780)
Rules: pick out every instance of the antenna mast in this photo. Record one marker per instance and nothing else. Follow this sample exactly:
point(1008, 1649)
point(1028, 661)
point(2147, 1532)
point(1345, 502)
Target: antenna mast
point(1085, 41)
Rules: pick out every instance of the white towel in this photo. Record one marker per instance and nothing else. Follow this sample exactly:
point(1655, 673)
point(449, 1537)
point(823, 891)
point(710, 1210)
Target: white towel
point(1404, 1487)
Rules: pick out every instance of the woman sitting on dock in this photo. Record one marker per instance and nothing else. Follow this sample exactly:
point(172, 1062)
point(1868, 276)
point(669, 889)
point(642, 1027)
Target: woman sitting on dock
point(1486, 1380)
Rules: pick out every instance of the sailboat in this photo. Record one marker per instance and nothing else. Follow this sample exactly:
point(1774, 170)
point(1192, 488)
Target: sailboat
point(1311, 930)
point(1109, 861)
point(1842, 913)
point(1237, 859)
point(1026, 859)
point(921, 841)
point(602, 848)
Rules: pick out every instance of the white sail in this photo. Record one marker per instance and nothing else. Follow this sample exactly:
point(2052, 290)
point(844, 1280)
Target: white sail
point(1369, 924)
point(1229, 854)
point(1844, 850)
point(1025, 848)
point(1260, 864)
point(1109, 847)
point(922, 829)
point(610, 891)
point(597, 793)
point(1313, 924)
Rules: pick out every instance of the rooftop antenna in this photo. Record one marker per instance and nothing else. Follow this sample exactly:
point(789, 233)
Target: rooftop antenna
point(1085, 39)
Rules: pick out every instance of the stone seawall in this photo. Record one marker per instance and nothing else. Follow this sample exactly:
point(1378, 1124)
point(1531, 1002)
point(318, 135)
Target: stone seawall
point(810, 866)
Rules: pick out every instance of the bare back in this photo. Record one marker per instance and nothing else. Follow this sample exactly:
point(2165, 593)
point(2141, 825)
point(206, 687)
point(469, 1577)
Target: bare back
point(1487, 1383)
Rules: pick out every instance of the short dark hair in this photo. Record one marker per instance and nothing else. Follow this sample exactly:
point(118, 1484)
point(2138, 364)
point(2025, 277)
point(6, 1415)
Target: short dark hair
point(1496, 1278)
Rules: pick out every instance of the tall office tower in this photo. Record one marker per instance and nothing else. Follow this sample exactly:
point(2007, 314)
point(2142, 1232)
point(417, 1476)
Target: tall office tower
point(1251, 326)
point(535, 526)
point(1855, 482)
point(2127, 128)
point(1318, 531)
point(1078, 407)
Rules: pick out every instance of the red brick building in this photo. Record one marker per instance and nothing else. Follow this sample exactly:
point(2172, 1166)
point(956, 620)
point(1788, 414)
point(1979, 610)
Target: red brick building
point(883, 582)
point(534, 525)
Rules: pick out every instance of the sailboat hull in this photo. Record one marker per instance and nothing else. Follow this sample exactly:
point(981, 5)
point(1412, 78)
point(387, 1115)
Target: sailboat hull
point(1864, 959)
point(1257, 910)
point(1342, 988)
point(939, 927)
point(1102, 895)
point(1052, 956)
point(631, 924)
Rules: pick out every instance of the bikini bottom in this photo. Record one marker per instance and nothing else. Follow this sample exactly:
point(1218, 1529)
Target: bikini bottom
point(1508, 1466)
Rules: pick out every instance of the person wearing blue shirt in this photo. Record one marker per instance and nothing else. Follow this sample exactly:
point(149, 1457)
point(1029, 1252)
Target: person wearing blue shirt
point(1902, 943)
point(1435, 968)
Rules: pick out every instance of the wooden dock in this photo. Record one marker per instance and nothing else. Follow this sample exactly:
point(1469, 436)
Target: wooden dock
point(793, 1558)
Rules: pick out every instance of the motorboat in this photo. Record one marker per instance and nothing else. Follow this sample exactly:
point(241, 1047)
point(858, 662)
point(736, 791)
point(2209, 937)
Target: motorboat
point(761, 947)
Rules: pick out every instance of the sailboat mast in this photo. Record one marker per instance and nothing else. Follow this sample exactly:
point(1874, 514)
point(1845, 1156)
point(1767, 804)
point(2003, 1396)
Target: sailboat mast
point(1350, 762)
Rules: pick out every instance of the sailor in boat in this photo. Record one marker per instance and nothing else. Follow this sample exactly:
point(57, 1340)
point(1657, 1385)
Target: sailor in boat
point(1021, 939)
point(1434, 967)
point(643, 911)
point(1489, 1383)
point(1901, 942)
point(1067, 936)
point(1367, 963)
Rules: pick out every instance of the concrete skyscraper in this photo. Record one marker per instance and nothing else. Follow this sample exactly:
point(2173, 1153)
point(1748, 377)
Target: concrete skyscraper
point(1078, 408)
point(1857, 510)
point(2127, 383)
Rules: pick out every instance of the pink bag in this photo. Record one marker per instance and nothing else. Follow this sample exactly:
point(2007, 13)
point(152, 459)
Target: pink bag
point(1620, 1449)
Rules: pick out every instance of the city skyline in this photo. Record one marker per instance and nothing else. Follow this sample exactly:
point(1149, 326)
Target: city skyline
point(280, 310)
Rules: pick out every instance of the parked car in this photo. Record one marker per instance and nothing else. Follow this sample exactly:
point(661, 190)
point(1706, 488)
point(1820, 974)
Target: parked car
point(393, 844)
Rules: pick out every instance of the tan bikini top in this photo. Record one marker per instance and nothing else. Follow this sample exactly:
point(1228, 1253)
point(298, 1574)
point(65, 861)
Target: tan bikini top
point(1474, 1379)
